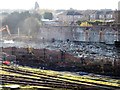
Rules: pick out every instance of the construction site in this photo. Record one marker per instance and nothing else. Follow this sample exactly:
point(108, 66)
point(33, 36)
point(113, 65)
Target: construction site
point(66, 56)
point(62, 57)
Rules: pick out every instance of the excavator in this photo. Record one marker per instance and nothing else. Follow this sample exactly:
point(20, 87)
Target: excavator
point(4, 58)
point(6, 28)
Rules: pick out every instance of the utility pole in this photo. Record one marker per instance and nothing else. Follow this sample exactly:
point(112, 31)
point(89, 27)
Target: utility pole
point(18, 32)
point(44, 54)
point(117, 17)
point(62, 55)
point(73, 23)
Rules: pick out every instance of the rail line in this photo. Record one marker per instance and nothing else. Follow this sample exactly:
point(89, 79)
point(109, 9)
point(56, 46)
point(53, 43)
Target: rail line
point(26, 77)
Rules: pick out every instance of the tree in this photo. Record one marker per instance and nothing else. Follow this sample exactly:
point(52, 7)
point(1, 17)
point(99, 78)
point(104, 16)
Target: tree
point(13, 20)
point(31, 26)
point(48, 15)
point(36, 15)
point(16, 19)
point(79, 22)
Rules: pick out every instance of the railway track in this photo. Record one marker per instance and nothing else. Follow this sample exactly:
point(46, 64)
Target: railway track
point(26, 77)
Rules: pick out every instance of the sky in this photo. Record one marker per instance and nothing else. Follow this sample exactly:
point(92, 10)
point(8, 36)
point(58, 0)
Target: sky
point(60, 4)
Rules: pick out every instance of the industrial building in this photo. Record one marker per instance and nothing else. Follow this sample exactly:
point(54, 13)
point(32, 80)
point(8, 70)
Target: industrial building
point(107, 35)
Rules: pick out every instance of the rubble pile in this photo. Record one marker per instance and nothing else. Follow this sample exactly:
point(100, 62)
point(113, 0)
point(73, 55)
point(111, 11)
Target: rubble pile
point(81, 49)
point(91, 50)
point(68, 56)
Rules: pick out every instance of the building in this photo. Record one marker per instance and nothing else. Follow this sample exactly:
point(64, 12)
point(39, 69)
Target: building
point(70, 16)
point(88, 15)
point(80, 34)
point(73, 16)
point(93, 15)
point(109, 15)
point(119, 5)
point(102, 15)
point(117, 22)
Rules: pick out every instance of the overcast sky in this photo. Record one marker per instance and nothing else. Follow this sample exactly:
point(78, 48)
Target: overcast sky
point(60, 4)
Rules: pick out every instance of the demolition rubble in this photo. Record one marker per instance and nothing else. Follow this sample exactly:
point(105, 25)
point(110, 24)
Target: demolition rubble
point(66, 56)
